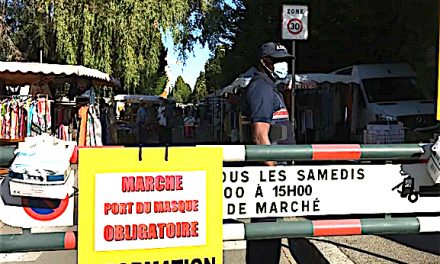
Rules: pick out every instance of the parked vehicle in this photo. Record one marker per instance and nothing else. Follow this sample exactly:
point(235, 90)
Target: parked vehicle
point(368, 103)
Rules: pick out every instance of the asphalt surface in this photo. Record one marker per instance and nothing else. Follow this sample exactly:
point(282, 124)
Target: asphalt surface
point(372, 249)
point(230, 256)
point(428, 242)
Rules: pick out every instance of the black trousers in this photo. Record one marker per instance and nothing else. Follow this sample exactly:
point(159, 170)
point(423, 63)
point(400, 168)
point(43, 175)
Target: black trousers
point(265, 251)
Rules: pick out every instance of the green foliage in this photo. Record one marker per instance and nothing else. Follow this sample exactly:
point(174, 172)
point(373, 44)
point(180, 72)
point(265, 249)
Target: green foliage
point(260, 23)
point(154, 83)
point(160, 85)
point(211, 22)
point(213, 69)
point(123, 37)
point(8, 50)
point(181, 91)
point(119, 37)
point(341, 33)
point(200, 90)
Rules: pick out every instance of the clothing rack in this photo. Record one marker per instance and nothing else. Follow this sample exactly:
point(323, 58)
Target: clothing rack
point(15, 96)
point(65, 103)
point(24, 115)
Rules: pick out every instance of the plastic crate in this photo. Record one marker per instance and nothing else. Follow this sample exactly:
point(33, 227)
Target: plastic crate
point(384, 134)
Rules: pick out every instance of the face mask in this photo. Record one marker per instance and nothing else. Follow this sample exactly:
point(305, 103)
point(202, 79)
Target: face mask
point(280, 70)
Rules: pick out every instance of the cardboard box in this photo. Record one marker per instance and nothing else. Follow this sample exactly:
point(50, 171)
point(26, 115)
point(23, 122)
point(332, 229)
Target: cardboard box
point(34, 189)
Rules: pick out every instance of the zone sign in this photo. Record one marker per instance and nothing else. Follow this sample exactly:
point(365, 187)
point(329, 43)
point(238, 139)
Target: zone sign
point(294, 22)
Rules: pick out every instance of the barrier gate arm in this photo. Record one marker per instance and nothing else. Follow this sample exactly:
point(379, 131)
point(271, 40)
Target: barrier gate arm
point(237, 153)
point(322, 152)
point(28, 241)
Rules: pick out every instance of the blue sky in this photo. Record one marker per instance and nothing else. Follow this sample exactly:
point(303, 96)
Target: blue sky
point(193, 66)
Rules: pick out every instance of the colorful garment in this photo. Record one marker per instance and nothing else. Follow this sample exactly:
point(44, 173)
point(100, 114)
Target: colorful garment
point(82, 113)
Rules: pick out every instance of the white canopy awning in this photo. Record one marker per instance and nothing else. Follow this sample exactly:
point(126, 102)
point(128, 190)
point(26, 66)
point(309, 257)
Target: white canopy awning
point(241, 82)
point(20, 73)
point(136, 98)
point(303, 81)
point(324, 77)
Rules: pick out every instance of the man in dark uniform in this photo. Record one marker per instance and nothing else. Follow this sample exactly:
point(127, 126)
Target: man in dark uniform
point(266, 109)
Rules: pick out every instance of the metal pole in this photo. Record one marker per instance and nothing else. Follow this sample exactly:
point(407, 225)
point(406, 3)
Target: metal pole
point(332, 152)
point(221, 119)
point(239, 153)
point(292, 102)
point(342, 227)
point(250, 231)
point(28, 241)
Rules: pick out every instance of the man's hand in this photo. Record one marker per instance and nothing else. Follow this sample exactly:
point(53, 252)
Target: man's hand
point(260, 136)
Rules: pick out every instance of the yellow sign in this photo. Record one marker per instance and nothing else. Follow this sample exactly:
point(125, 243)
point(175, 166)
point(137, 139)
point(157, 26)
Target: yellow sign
point(166, 208)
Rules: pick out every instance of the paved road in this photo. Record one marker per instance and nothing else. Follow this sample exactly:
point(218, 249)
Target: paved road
point(425, 242)
point(234, 255)
point(366, 249)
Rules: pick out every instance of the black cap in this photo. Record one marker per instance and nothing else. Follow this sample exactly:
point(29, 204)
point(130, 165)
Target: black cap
point(274, 50)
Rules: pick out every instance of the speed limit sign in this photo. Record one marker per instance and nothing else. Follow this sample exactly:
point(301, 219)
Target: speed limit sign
point(294, 22)
point(294, 26)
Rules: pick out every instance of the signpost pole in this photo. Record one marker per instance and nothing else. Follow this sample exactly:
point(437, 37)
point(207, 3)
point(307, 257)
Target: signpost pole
point(292, 102)
point(294, 27)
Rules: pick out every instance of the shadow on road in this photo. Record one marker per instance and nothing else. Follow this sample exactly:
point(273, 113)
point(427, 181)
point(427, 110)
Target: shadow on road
point(423, 242)
point(340, 245)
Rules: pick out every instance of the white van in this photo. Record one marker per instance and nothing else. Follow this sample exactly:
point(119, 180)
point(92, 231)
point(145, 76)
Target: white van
point(369, 103)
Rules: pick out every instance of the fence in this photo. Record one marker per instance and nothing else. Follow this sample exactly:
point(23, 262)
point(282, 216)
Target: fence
point(28, 241)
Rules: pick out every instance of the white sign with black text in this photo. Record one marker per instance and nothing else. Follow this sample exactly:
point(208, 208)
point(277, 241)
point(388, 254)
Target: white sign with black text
point(286, 191)
point(295, 20)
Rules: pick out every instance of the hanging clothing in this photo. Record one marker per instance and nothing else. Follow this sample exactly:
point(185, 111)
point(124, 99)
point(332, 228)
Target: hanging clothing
point(90, 129)
point(65, 122)
point(21, 117)
point(82, 113)
point(94, 128)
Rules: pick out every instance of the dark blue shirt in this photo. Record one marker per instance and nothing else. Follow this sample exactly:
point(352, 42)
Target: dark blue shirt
point(262, 98)
point(266, 104)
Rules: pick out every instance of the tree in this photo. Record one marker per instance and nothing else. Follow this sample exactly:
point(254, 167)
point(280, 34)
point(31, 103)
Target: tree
point(260, 23)
point(341, 33)
point(181, 91)
point(221, 26)
point(200, 90)
point(160, 84)
point(156, 82)
point(8, 49)
point(119, 37)
point(213, 70)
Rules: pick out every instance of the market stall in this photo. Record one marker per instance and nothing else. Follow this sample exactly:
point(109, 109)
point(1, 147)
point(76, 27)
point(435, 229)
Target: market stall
point(46, 110)
point(37, 98)
point(126, 107)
